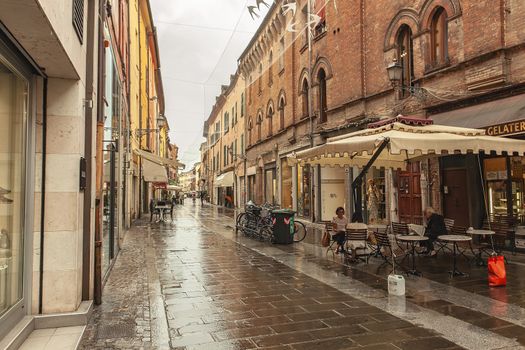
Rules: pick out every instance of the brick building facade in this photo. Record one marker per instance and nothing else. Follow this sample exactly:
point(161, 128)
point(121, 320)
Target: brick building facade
point(455, 55)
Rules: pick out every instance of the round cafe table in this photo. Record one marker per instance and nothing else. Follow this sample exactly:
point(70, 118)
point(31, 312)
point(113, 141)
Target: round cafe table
point(455, 239)
point(412, 240)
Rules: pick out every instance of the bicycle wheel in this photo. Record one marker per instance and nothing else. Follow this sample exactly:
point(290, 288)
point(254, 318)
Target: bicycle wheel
point(299, 231)
point(266, 234)
point(240, 222)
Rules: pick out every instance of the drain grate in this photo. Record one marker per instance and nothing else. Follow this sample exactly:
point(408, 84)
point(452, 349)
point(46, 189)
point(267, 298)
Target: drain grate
point(121, 330)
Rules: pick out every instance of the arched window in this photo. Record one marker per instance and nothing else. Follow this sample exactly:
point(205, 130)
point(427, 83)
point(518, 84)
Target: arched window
point(322, 96)
point(438, 37)
point(305, 98)
point(281, 113)
point(270, 121)
point(270, 69)
point(259, 126)
point(405, 58)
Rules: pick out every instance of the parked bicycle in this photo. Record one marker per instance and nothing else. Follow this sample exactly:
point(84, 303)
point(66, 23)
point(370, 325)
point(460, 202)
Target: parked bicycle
point(257, 222)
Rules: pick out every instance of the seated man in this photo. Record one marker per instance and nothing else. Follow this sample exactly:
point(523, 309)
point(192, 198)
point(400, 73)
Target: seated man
point(435, 226)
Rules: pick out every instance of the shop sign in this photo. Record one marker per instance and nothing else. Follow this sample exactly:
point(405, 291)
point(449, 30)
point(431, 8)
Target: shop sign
point(510, 128)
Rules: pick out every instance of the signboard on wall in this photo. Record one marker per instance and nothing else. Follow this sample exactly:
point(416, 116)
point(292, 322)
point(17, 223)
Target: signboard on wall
point(506, 129)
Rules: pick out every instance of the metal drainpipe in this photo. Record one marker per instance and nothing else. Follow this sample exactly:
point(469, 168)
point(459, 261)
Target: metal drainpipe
point(43, 199)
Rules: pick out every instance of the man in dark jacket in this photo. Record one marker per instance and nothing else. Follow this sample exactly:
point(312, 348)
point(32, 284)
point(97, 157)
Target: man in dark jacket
point(435, 227)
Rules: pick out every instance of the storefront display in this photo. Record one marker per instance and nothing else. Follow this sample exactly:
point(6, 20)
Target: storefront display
point(499, 173)
point(286, 184)
point(304, 190)
point(270, 186)
point(14, 99)
point(111, 186)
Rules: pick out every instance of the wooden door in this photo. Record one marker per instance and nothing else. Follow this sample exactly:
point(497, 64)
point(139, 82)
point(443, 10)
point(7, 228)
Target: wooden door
point(455, 198)
point(409, 198)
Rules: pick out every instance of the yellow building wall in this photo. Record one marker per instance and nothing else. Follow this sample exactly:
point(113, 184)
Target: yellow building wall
point(134, 47)
point(144, 60)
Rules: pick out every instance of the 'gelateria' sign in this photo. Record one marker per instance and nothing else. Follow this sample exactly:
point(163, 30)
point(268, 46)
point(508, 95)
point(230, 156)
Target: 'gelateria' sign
point(510, 128)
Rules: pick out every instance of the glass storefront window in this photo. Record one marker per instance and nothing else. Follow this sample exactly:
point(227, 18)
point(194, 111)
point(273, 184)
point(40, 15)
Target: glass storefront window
point(270, 184)
point(286, 184)
point(303, 190)
point(14, 93)
point(497, 178)
point(112, 114)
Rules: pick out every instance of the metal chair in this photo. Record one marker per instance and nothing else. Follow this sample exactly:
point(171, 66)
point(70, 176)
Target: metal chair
point(329, 227)
point(449, 223)
point(356, 240)
point(400, 228)
point(386, 250)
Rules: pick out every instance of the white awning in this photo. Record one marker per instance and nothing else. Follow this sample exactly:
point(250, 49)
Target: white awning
point(159, 160)
point(406, 143)
point(251, 171)
point(154, 172)
point(224, 180)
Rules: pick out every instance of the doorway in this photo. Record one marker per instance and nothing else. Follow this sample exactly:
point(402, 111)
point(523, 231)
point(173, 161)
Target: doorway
point(409, 200)
point(455, 196)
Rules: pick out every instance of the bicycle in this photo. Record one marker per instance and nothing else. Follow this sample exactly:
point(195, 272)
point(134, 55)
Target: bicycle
point(299, 231)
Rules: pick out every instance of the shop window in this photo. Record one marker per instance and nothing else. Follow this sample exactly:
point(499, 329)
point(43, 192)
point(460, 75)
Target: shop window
point(286, 184)
point(270, 186)
point(14, 99)
point(303, 190)
point(305, 98)
point(406, 59)
point(322, 96)
point(438, 37)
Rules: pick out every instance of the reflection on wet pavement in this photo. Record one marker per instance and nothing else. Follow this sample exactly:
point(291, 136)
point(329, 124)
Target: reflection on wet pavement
point(217, 293)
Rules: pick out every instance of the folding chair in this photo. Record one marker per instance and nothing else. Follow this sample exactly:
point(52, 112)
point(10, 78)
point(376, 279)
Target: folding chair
point(386, 250)
point(329, 227)
point(357, 241)
point(449, 223)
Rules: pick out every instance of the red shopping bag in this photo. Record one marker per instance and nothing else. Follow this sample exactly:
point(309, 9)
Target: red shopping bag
point(497, 273)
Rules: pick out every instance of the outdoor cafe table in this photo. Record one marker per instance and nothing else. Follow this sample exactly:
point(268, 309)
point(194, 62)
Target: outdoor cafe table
point(481, 250)
point(455, 239)
point(412, 240)
point(161, 209)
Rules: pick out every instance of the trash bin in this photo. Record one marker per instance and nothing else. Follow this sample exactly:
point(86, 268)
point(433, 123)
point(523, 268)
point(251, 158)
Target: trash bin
point(283, 226)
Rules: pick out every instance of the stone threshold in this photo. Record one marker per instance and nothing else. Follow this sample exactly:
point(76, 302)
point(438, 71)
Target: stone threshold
point(23, 329)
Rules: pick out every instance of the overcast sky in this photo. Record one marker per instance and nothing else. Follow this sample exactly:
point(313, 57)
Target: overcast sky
point(200, 42)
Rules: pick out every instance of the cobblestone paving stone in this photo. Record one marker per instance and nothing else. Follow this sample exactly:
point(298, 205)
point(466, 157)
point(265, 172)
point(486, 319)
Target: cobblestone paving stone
point(220, 295)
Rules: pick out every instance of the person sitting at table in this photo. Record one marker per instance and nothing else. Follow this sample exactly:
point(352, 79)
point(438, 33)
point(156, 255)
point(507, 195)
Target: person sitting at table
point(340, 221)
point(435, 226)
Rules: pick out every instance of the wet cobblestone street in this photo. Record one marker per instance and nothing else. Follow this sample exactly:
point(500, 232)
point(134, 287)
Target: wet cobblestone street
point(189, 285)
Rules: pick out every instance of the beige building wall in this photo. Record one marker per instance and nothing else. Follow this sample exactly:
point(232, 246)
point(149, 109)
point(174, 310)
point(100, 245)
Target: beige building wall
point(63, 56)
